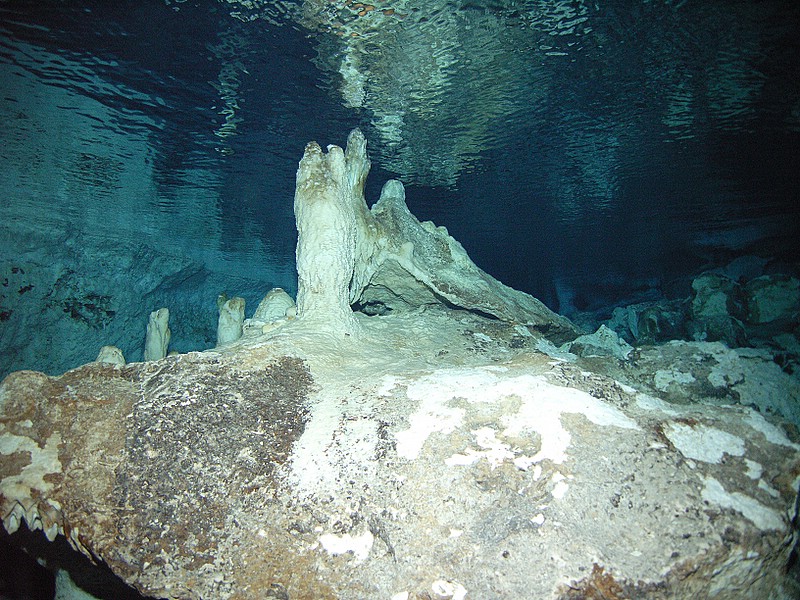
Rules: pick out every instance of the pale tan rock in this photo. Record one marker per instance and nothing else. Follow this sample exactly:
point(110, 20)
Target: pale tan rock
point(231, 321)
point(328, 187)
point(438, 448)
point(603, 342)
point(158, 335)
point(111, 355)
point(276, 305)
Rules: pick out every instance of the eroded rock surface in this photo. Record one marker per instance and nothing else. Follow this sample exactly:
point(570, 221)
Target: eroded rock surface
point(437, 448)
point(138, 463)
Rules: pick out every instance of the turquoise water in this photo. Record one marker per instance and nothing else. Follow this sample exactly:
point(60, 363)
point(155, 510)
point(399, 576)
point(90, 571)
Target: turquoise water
point(588, 154)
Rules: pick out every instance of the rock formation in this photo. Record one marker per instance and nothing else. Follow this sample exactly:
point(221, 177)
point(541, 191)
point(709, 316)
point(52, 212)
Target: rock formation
point(329, 189)
point(383, 259)
point(231, 320)
point(276, 305)
point(438, 445)
point(156, 341)
point(738, 305)
point(111, 355)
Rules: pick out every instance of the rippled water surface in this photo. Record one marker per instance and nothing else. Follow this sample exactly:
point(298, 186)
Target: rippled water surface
point(594, 147)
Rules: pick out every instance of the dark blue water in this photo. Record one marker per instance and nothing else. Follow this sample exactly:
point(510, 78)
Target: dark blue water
point(588, 154)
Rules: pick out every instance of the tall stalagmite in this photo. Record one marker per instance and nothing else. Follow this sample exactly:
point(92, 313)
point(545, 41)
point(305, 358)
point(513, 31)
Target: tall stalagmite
point(384, 259)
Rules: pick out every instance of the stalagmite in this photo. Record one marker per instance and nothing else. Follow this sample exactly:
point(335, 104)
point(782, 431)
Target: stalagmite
point(384, 259)
point(231, 318)
point(276, 305)
point(328, 189)
point(111, 355)
point(158, 334)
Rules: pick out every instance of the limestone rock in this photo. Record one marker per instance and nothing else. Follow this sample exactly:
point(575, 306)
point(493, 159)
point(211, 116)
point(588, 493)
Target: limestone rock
point(418, 264)
point(383, 259)
point(740, 312)
point(788, 342)
point(231, 320)
point(66, 589)
point(716, 310)
point(649, 322)
point(158, 335)
point(603, 342)
point(276, 305)
point(430, 450)
point(274, 310)
point(712, 296)
point(773, 298)
point(329, 187)
point(439, 452)
point(111, 355)
point(221, 300)
point(711, 372)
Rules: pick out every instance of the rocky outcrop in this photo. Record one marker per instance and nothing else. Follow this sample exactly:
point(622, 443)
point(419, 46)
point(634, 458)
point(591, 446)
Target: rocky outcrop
point(772, 298)
point(760, 312)
point(715, 310)
point(603, 342)
point(383, 259)
point(437, 451)
point(434, 452)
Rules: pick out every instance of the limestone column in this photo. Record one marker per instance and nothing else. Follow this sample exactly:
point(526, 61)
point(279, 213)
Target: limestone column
point(158, 334)
point(328, 195)
point(231, 319)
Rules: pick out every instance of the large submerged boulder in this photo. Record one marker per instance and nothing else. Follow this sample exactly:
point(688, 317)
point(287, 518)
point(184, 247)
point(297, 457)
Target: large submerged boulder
point(739, 305)
point(436, 446)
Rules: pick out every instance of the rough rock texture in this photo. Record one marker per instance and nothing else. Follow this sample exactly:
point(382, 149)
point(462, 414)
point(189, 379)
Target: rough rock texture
point(162, 451)
point(773, 298)
point(716, 310)
point(389, 260)
point(650, 322)
point(688, 372)
point(436, 447)
point(433, 453)
point(603, 342)
point(736, 311)
point(156, 341)
point(231, 320)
